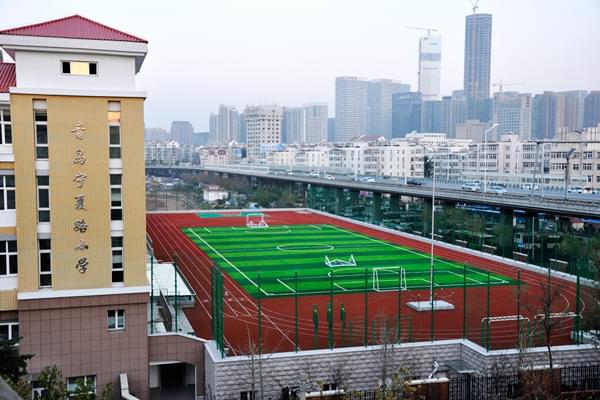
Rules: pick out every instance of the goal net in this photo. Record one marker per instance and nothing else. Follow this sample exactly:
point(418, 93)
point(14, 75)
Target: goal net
point(256, 220)
point(389, 278)
point(336, 262)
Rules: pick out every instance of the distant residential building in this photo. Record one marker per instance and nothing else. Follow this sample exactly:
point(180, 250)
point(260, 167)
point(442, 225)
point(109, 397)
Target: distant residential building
point(471, 129)
point(151, 134)
point(182, 132)
point(544, 116)
point(430, 61)
point(263, 128)
point(380, 92)
point(478, 46)
point(331, 130)
point(231, 154)
point(591, 117)
point(406, 113)
point(512, 113)
point(228, 124)
point(293, 125)
point(570, 109)
point(316, 117)
point(431, 116)
point(213, 127)
point(351, 107)
point(454, 111)
point(201, 138)
point(167, 152)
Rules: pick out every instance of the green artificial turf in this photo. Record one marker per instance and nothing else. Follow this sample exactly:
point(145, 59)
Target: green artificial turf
point(270, 256)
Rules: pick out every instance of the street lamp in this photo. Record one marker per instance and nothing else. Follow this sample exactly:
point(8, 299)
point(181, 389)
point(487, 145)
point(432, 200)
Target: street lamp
point(488, 130)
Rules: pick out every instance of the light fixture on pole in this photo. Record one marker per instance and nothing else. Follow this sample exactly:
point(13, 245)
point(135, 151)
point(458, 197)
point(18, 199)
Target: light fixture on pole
point(491, 128)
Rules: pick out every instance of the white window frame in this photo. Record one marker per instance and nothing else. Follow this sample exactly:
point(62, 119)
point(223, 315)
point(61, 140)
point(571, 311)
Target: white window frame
point(114, 253)
point(43, 187)
point(35, 136)
point(72, 383)
point(41, 273)
point(3, 124)
point(115, 314)
point(10, 325)
point(6, 253)
point(79, 61)
point(118, 187)
point(5, 189)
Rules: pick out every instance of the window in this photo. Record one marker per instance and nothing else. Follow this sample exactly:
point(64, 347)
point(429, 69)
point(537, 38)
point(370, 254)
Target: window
point(248, 395)
point(5, 127)
point(7, 195)
point(117, 259)
point(8, 257)
point(43, 183)
point(114, 149)
point(88, 380)
point(45, 263)
point(80, 68)
point(116, 319)
point(116, 204)
point(41, 134)
point(9, 330)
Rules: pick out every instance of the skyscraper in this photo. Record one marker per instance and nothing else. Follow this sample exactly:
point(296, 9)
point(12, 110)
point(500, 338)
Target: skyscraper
point(406, 113)
point(454, 111)
point(228, 125)
point(182, 132)
point(351, 107)
point(263, 129)
point(569, 109)
point(331, 130)
point(316, 122)
point(512, 111)
point(544, 116)
point(430, 61)
point(591, 113)
point(431, 116)
point(293, 125)
point(213, 127)
point(380, 93)
point(478, 45)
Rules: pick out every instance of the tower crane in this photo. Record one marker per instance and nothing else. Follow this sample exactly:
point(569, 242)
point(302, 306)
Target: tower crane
point(475, 5)
point(418, 28)
point(501, 84)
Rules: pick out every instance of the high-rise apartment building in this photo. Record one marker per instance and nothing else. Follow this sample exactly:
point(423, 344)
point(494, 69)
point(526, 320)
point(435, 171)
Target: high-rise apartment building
point(293, 125)
point(591, 113)
point(351, 107)
point(454, 111)
point(544, 116)
point(569, 109)
point(263, 129)
point(228, 124)
point(316, 115)
point(512, 112)
point(73, 281)
point(182, 132)
point(380, 92)
point(430, 62)
point(331, 130)
point(406, 113)
point(213, 128)
point(431, 116)
point(478, 46)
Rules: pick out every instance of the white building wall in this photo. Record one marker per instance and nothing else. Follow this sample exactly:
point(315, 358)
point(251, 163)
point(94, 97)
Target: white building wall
point(430, 56)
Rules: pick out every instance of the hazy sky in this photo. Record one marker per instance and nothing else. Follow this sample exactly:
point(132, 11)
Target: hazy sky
point(203, 53)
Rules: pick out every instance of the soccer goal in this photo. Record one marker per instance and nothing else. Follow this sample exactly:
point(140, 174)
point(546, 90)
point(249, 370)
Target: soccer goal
point(336, 262)
point(389, 278)
point(256, 220)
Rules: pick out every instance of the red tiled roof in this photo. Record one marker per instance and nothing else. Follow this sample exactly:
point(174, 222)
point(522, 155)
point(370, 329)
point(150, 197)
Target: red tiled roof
point(8, 76)
point(73, 27)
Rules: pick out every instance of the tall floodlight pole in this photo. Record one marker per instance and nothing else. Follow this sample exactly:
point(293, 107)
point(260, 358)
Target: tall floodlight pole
point(432, 236)
point(485, 133)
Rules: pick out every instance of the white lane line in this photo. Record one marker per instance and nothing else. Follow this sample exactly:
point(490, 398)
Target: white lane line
point(228, 262)
point(284, 284)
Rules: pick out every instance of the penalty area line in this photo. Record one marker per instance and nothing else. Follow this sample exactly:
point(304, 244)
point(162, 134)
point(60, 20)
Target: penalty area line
point(287, 286)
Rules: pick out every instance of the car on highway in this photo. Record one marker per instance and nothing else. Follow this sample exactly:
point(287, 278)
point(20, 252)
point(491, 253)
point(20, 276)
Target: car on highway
point(497, 189)
point(471, 187)
point(329, 177)
point(314, 173)
point(413, 182)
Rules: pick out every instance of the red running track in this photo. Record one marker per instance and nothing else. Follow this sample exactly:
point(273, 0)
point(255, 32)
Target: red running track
point(278, 322)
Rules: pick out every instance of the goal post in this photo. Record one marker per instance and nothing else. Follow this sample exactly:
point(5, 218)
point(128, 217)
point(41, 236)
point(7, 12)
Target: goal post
point(386, 278)
point(256, 220)
point(336, 262)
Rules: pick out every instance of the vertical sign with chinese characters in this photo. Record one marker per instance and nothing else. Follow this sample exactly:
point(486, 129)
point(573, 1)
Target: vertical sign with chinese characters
point(79, 179)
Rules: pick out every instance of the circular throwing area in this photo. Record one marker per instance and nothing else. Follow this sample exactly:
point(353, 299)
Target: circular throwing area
point(306, 247)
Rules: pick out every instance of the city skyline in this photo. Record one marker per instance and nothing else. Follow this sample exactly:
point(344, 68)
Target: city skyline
point(372, 41)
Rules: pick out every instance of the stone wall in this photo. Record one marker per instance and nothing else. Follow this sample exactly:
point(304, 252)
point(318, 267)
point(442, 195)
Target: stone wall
point(361, 367)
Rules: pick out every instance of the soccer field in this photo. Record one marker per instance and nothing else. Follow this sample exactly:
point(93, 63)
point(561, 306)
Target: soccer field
point(264, 261)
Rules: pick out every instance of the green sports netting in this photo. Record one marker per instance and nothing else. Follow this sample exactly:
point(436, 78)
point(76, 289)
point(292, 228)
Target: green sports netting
point(278, 251)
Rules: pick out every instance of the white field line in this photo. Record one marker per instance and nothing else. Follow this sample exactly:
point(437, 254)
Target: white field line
point(284, 284)
point(462, 276)
point(207, 230)
point(316, 227)
point(491, 277)
point(341, 287)
point(228, 262)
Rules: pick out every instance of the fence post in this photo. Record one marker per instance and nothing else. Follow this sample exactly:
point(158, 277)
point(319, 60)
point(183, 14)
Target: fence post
point(296, 310)
point(315, 325)
point(399, 328)
point(366, 319)
point(519, 307)
point(259, 316)
point(464, 301)
point(488, 313)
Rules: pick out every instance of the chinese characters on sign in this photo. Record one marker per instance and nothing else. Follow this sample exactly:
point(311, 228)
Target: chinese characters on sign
point(79, 225)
